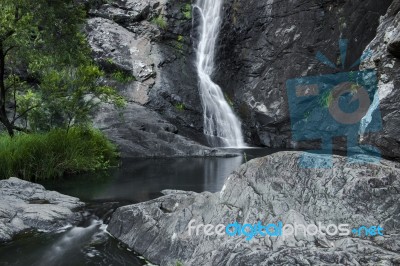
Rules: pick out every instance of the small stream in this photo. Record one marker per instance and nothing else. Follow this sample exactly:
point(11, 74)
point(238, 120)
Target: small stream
point(137, 180)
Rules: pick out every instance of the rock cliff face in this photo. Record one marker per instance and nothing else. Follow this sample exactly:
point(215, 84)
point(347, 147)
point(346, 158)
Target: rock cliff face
point(262, 45)
point(386, 60)
point(272, 189)
point(149, 40)
point(265, 43)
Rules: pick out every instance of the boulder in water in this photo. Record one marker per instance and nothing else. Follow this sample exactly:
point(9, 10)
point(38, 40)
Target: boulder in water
point(25, 205)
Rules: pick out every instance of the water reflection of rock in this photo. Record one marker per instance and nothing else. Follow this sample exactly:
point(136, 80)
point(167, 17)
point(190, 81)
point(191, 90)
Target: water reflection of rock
point(141, 180)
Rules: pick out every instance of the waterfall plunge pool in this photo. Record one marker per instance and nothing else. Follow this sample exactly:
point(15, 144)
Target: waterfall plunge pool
point(137, 180)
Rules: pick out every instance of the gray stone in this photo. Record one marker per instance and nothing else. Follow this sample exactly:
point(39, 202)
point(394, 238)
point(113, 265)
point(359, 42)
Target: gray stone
point(25, 205)
point(123, 12)
point(114, 45)
point(271, 189)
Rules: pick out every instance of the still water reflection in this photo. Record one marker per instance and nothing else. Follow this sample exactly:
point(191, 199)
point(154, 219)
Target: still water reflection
point(139, 180)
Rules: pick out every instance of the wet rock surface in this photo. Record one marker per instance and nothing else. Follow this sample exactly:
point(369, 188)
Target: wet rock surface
point(265, 43)
point(25, 205)
point(385, 60)
point(272, 189)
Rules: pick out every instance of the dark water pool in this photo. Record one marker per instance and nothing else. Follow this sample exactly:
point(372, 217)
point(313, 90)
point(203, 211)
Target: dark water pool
point(137, 180)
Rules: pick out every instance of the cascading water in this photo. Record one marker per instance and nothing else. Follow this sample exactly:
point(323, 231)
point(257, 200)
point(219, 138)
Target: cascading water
point(221, 126)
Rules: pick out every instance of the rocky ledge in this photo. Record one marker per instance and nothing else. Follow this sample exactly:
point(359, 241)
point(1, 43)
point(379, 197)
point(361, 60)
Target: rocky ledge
point(25, 205)
point(272, 189)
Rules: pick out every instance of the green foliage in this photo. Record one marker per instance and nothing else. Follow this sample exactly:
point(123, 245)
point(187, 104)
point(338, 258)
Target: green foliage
point(112, 70)
point(67, 97)
point(48, 77)
point(180, 106)
point(187, 11)
point(178, 263)
point(60, 85)
point(160, 21)
point(53, 154)
point(110, 61)
point(179, 46)
point(122, 77)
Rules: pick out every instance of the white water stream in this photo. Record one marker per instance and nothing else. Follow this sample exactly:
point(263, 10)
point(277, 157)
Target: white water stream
point(221, 126)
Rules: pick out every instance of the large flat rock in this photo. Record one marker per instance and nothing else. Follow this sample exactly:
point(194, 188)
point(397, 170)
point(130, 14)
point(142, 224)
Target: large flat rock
point(25, 205)
point(272, 189)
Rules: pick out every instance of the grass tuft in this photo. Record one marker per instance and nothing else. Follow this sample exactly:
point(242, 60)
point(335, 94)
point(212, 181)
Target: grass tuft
point(122, 77)
point(160, 22)
point(50, 155)
point(187, 11)
point(180, 106)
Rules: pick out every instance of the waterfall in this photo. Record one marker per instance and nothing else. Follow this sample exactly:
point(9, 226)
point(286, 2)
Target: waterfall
point(221, 126)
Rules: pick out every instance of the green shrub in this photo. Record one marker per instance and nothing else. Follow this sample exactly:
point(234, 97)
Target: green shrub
point(180, 106)
point(53, 154)
point(187, 11)
point(160, 22)
point(122, 77)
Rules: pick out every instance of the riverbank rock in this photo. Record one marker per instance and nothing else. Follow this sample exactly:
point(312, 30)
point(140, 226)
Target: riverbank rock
point(25, 205)
point(272, 189)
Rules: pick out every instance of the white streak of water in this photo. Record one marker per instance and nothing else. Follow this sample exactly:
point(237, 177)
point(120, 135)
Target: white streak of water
point(221, 126)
